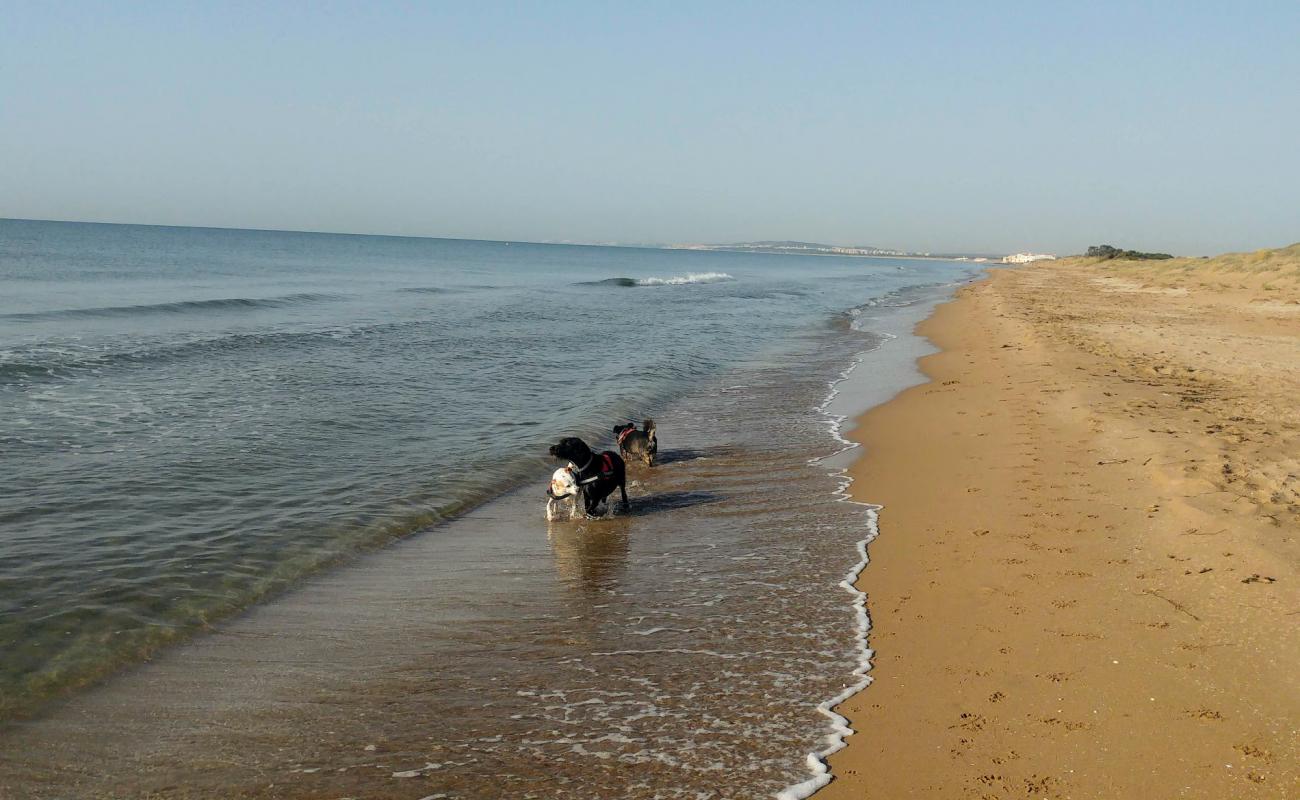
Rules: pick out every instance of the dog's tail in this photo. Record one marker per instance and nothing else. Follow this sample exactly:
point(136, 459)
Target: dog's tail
point(649, 427)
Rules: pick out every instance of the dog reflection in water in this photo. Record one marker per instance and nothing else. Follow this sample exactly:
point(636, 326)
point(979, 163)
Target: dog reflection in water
point(590, 558)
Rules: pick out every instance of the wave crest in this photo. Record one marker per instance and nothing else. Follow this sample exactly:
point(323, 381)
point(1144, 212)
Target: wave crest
point(609, 282)
point(176, 307)
point(694, 277)
point(676, 280)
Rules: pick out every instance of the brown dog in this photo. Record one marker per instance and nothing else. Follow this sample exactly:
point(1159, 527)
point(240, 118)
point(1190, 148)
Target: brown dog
point(639, 443)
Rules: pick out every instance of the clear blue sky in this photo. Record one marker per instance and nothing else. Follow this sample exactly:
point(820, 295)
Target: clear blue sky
point(987, 126)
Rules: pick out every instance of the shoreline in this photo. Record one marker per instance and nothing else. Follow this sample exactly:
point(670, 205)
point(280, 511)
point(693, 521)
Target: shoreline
point(459, 661)
point(1067, 585)
point(862, 395)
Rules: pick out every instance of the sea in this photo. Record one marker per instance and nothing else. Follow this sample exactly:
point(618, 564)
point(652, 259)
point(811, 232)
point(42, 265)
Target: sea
point(272, 513)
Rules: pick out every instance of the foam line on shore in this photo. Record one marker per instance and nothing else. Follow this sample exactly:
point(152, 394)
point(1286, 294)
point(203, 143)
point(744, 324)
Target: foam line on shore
point(840, 728)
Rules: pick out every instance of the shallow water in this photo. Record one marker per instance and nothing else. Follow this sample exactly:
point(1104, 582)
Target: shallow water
point(680, 650)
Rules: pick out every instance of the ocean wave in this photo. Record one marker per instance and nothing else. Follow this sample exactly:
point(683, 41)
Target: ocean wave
point(19, 370)
point(694, 277)
point(609, 282)
point(461, 289)
point(180, 307)
point(676, 280)
point(43, 362)
point(229, 576)
point(860, 317)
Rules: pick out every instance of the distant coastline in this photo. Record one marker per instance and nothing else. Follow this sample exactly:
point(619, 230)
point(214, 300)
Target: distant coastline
point(759, 247)
point(794, 248)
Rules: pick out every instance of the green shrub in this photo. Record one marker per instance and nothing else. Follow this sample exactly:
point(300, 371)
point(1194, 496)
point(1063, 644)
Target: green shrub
point(1107, 253)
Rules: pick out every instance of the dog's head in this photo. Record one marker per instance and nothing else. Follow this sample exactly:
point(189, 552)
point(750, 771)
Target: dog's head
point(563, 484)
point(618, 429)
point(572, 449)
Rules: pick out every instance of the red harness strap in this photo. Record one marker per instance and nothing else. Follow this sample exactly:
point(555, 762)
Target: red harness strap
point(624, 435)
point(606, 469)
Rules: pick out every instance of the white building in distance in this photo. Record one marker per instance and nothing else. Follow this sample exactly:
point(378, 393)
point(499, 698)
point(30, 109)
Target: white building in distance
point(1025, 258)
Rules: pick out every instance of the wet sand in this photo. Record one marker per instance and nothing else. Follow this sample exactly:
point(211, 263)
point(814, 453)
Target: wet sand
point(1085, 583)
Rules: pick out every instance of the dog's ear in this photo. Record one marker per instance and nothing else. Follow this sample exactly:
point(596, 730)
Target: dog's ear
point(552, 450)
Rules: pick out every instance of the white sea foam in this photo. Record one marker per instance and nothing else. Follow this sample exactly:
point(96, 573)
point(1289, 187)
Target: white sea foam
point(652, 631)
point(840, 728)
point(678, 280)
point(675, 650)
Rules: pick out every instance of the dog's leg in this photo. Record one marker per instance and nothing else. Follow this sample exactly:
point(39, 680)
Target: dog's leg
point(622, 488)
point(550, 509)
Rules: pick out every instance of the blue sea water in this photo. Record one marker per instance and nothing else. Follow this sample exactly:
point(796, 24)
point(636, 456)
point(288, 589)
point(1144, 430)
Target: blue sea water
point(194, 419)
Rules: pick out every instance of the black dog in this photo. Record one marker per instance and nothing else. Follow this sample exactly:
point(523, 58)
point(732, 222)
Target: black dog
point(597, 475)
point(639, 443)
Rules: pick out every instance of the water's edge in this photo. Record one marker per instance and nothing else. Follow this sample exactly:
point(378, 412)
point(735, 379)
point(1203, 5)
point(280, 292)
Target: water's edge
point(840, 417)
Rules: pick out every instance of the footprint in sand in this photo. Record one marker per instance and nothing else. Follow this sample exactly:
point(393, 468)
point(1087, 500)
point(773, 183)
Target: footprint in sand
point(1068, 725)
point(969, 722)
point(1257, 578)
point(1253, 751)
point(1085, 635)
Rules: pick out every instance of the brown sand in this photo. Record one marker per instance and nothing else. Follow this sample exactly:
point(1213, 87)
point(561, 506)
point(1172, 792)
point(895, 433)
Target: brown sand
point(1087, 579)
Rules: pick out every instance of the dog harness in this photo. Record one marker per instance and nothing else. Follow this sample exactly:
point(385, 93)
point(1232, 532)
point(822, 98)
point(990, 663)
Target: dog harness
point(624, 435)
point(606, 469)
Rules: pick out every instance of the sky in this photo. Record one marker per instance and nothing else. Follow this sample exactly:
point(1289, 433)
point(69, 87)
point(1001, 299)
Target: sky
point(986, 127)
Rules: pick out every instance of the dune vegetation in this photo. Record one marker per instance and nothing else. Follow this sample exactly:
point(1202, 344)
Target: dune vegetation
point(1273, 274)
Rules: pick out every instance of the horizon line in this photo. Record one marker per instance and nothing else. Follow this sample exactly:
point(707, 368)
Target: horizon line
point(635, 245)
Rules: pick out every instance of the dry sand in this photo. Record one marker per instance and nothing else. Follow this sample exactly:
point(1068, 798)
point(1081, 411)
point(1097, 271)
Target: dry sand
point(1087, 579)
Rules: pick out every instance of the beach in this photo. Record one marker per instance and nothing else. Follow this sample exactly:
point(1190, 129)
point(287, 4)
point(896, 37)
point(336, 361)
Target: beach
point(1080, 523)
point(1085, 582)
